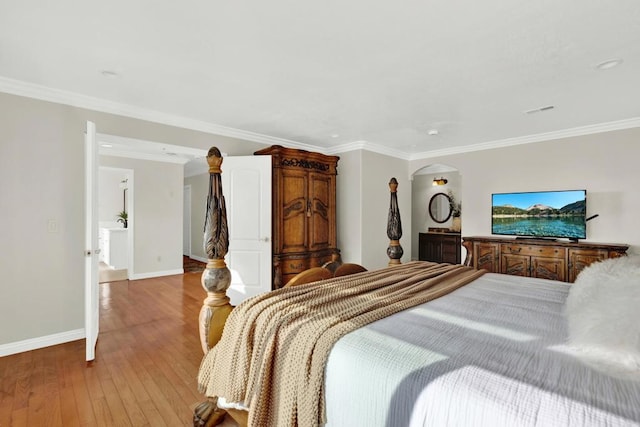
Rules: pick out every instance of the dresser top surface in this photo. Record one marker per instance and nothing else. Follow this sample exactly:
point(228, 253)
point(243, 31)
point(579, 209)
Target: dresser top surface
point(545, 242)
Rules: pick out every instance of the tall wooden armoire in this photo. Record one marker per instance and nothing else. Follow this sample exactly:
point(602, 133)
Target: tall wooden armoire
point(304, 211)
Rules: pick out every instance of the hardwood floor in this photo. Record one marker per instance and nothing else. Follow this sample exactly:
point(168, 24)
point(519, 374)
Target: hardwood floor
point(147, 359)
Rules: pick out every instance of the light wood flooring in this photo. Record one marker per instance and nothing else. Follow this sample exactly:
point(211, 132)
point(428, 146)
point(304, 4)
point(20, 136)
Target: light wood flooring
point(147, 359)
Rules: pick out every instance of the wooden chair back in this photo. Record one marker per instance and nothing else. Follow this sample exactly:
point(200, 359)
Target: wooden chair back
point(311, 275)
point(348, 268)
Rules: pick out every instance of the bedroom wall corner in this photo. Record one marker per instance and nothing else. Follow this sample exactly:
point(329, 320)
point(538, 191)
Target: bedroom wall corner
point(349, 206)
point(377, 170)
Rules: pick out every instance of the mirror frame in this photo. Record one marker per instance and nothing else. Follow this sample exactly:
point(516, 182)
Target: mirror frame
point(432, 201)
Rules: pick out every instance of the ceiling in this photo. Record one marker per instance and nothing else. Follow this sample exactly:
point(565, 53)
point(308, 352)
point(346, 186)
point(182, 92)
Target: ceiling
point(335, 75)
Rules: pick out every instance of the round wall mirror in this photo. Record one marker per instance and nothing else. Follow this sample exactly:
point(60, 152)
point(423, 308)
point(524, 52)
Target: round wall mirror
point(440, 208)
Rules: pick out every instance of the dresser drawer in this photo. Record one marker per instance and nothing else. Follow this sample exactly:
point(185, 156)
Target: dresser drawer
point(294, 266)
point(533, 250)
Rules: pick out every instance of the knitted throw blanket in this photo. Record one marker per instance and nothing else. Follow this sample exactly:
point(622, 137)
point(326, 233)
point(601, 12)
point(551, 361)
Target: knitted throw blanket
point(274, 347)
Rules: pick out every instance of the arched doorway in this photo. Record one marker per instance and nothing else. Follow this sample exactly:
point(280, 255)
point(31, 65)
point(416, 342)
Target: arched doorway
point(427, 182)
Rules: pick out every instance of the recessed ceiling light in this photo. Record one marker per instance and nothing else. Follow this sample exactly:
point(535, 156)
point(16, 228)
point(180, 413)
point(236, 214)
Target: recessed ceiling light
point(110, 74)
point(433, 132)
point(334, 135)
point(605, 65)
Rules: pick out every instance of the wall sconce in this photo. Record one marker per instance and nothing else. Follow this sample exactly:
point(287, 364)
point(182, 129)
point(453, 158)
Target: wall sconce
point(441, 181)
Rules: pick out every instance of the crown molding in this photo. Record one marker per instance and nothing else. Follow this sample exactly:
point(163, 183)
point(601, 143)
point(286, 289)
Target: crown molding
point(529, 139)
point(368, 146)
point(31, 90)
point(43, 93)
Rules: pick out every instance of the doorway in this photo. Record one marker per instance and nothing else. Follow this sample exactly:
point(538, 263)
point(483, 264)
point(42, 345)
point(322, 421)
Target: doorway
point(115, 222)
point(427, 182)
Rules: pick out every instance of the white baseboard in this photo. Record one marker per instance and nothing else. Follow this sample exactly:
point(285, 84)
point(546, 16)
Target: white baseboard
point(199, 258)
point(41, 342)
point(153, 274)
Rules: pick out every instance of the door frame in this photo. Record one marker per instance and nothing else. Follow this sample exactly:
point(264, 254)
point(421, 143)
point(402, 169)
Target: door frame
point(92, 250)
point(186, 218)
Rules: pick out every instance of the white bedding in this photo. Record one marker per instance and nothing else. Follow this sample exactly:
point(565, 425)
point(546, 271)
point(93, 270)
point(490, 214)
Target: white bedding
point(488, 354)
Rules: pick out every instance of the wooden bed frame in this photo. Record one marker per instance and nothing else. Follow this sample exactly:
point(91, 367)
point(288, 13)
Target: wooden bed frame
point(216, 278)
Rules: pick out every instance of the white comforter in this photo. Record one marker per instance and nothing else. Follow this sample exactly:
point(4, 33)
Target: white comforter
point(488, 354)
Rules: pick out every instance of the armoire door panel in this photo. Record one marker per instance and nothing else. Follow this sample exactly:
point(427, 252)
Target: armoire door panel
point(294, 211)
point(320, 193)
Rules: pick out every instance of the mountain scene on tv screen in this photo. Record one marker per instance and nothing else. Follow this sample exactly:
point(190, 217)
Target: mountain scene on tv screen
point(540, 220)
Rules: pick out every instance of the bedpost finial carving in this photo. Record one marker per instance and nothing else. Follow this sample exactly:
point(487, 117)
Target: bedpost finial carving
point(393, 185)
point(214, 159)
point(394, 226)
point(216, 278)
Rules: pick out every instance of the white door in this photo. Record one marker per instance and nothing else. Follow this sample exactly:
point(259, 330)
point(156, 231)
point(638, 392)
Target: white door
point(91, 290)
point(246, 184)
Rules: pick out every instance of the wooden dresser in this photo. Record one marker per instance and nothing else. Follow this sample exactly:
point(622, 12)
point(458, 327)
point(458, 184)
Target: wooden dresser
point(304, 211)
point(546, 259)
point(439, 247)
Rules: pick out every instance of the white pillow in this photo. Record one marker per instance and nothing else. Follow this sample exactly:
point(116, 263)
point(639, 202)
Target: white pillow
point(603, 315)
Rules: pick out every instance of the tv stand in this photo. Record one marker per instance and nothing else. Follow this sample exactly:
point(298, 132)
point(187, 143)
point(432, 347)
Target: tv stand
point(545, 259)
point(544, 239)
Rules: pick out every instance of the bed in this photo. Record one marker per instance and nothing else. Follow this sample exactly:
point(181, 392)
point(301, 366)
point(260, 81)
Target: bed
point(487, 350)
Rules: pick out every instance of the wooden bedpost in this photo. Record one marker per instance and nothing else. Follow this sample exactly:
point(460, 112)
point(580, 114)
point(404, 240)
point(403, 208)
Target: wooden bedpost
point(394, 226)
point(216, 278)
point(468, 261)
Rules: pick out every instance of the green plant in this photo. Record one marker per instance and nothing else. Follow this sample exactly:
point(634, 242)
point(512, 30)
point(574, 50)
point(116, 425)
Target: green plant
point(123, 218)
point(455, 206)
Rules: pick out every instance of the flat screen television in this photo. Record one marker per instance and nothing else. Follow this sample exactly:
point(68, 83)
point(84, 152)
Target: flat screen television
point(540, 214)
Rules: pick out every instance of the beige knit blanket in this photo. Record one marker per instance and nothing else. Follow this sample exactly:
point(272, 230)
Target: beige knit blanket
point(274, 347)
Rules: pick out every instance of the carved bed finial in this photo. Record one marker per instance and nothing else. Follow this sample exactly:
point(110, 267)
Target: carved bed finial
point(394, 226)
point(216, 278)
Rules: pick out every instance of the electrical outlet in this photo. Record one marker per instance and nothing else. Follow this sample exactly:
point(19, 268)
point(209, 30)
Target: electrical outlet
point(52, 226)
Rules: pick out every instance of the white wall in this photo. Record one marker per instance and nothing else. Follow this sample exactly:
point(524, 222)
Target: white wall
point(41, 180)
point(111, 200)
point(605, 164)
point(349, 206)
